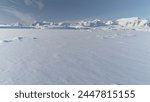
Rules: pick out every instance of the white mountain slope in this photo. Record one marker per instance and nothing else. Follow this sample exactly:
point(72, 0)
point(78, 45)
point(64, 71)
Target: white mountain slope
point(34, 56)
point(133, 22)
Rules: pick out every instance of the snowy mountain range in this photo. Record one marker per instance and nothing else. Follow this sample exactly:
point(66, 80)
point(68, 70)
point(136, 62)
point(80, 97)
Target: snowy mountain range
point(133, 23)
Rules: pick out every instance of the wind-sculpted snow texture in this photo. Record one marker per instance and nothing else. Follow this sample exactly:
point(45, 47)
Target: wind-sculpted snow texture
point(34, 56)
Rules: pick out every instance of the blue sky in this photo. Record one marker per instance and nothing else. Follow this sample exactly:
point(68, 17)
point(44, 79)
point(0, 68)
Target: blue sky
point(28, 11)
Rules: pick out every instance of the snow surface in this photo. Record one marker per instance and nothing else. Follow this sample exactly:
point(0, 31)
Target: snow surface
point(35, 56)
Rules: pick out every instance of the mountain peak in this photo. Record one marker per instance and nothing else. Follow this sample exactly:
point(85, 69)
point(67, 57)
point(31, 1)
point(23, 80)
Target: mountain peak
point(129, 19)
point(133, 22)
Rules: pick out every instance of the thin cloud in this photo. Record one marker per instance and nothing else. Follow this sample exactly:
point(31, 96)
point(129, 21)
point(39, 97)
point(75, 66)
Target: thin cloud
point(13, 1)
point(37, 3)
point(24, 17)
point(28, 2)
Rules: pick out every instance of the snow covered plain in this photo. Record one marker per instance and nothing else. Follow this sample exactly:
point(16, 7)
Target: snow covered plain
point(34, 56)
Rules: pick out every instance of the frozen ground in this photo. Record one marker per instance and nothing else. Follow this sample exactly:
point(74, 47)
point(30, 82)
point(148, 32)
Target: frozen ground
point(74, 57)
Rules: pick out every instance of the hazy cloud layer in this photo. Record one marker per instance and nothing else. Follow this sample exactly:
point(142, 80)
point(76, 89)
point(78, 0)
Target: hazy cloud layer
point(24, 17)
point(37, 3)
point(13, 1)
